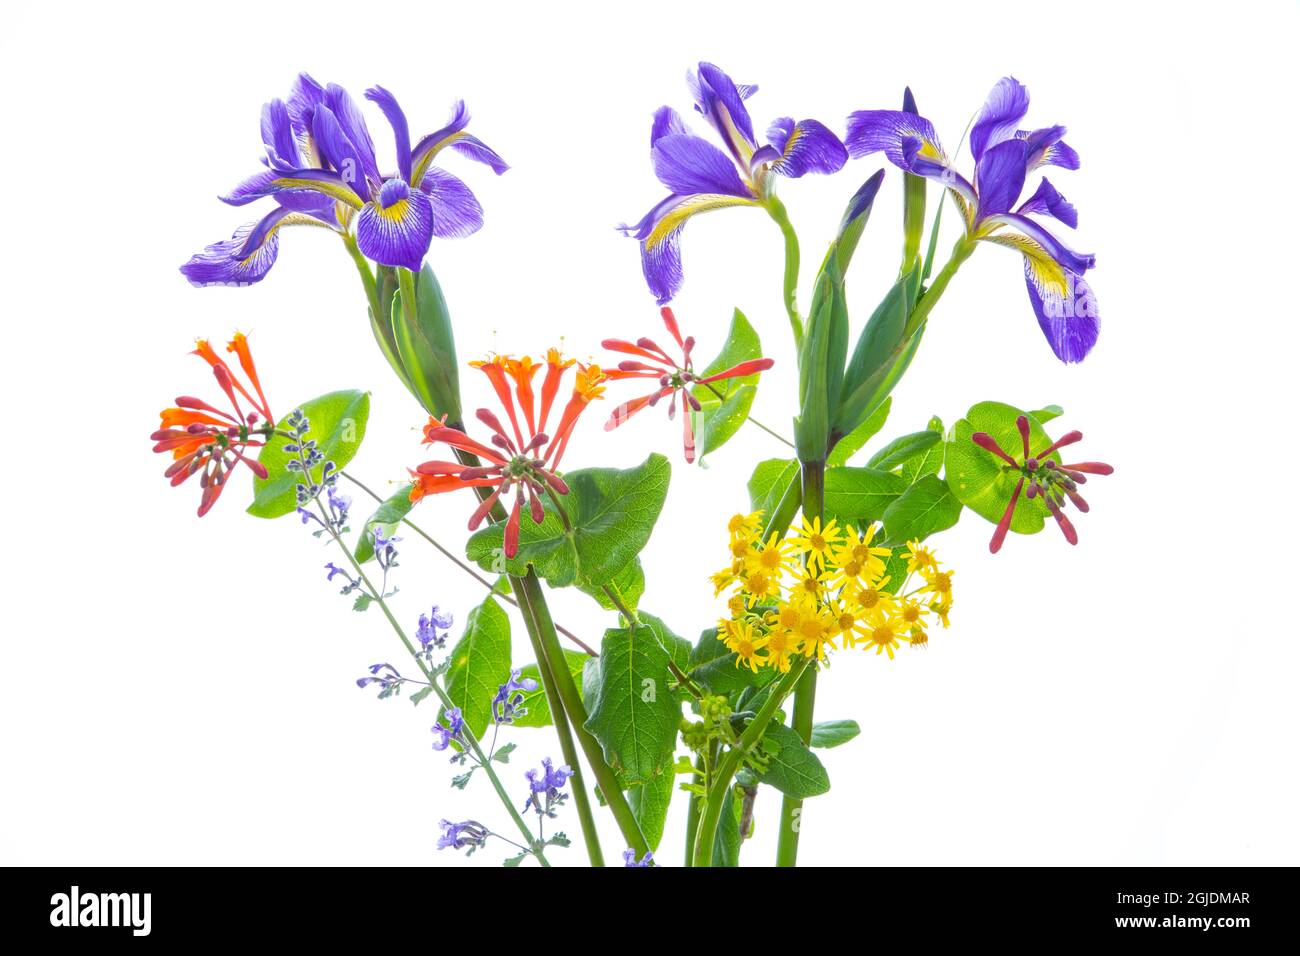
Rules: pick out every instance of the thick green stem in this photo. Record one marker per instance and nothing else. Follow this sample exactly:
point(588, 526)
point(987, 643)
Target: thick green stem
point(693, 811)
point(776, 210)
point(753, 733)
point(805, 695)
point(533, 603)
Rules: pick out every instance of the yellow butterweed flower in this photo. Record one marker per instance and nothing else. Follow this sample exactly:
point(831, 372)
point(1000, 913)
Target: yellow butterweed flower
point(819, 588)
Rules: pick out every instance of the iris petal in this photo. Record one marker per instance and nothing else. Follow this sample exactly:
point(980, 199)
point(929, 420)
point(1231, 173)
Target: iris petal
point(1048, 201)
point(1006, 106)
point(688, 164)
point(396, 234)
point(456, 211)
point(1000, 177)
point(397, 120)
point(806, 147)
point(720, 101)
point(661, 260)
point(1062, 300)
point(875, 131)
point(667, 121)
point(339, 151)
point(229, 263)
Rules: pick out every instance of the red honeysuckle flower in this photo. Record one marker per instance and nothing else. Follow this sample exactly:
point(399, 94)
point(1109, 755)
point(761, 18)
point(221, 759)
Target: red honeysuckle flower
point(651, 361)
point(525, 457)
point(204, 439)
point(1054, 483)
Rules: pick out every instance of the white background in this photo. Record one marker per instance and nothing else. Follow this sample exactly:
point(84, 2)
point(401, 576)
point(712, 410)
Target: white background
point(181, 691)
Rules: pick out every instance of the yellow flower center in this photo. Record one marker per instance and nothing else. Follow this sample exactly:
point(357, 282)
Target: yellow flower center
point(853, 569)
point(811, 629)
point(817, 542)
point(739, 549)
point(883, 635)
point(911, 613)
point(770, 558)
point(869, 598)
point(757, 584)
point(943, 582)
point(789, 617)
point(847, 621)
point(861, 552)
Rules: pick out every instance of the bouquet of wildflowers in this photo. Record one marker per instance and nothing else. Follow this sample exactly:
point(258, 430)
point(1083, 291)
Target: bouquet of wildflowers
point(832, 554)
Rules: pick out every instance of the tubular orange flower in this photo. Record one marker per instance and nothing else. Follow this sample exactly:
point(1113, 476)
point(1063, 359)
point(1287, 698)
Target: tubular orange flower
point(204, 439)
point(653, 362)
point(528, 461)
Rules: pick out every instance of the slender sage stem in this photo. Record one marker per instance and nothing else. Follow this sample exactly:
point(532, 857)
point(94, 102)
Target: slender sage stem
point(465, 567)
point(776, 209)
point(471, 741)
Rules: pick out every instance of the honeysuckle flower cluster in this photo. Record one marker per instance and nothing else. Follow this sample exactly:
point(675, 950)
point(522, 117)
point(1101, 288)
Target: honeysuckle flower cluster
point(206, 441)
point(1041, 477)
point(674, 379)
point(1004, 156)
point(322, 170)
point(526, 457)
point(822, 588)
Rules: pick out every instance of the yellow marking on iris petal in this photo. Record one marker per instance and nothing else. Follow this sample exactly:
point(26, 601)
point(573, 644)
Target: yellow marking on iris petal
point(417, 174)
point(396, 212)
point(796, 134)
point(1047, 273)
point(677, 216)
point(334, 190)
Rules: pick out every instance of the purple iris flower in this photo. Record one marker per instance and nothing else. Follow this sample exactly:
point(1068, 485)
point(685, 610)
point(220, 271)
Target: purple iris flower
point(701, 177)
point(1004, 156)
point(322, 171)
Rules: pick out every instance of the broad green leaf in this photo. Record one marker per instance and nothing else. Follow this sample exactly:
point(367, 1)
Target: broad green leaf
point(727, 839)
point(793, 768)
point(982, 481)
point(929, 463)
point(539, 708)
point(881, 354)
point(724, 404)
point(770, 482)
point(611, 514)
point(817, 372)
point(712, 665)
point(479, 664)
point(387, 517)
point(650, 802)
point(832, 733)
point(903, 449)
point(338, 424)
point(630, 583)
point(928, 507)
point(678, 648)
point(635, 716)
point(861, 494)
point(846, 447)
point(1047, 413)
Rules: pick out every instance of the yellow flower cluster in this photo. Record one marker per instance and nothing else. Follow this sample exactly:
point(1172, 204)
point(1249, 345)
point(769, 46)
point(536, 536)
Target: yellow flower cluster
point(823, 588)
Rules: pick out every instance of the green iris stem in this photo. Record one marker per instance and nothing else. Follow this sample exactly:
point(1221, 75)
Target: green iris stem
point(534, 845)
point(465, 567)
point(693, 810)
point(960, 253)
point(776, 209)
point(721, 783)
point(805, 694)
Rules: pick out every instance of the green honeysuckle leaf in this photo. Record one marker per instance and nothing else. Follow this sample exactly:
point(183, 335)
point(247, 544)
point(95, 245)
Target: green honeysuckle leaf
point(926, 508)
point(338, 425)
point(611, 514)
point(982, 481)
point(386, 517)
point(724, 404)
